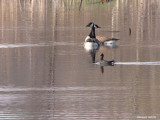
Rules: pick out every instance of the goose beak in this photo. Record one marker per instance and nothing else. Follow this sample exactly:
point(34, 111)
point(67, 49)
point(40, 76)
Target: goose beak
point(88, 25)
point(96, 26)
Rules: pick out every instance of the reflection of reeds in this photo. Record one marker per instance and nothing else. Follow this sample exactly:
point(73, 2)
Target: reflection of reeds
point(79, 3)
point(93, 2)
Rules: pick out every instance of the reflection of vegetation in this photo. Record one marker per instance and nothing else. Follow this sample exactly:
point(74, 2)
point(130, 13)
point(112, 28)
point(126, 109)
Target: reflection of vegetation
point(80, 3)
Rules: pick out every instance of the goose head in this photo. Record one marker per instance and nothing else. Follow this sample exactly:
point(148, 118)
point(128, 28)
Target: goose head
point(92, 34)
point(92, 25)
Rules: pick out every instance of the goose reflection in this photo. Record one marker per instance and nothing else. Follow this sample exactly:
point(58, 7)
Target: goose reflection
point(92, 51)
point(102, 69)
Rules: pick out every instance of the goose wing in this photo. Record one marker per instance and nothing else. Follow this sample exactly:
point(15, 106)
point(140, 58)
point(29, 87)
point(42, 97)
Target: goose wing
point(103, 39)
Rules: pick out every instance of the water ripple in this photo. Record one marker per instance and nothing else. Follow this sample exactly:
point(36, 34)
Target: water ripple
point(137, 63)
point(20, 45)
point(23, 45)
point(94, 88)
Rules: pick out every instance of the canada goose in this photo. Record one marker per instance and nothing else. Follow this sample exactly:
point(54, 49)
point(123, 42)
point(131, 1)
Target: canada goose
point(100, 40)
point(104, 63)
point(90, 41)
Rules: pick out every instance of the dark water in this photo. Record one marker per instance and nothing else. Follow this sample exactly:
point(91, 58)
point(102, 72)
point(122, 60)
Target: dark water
point(46, 74)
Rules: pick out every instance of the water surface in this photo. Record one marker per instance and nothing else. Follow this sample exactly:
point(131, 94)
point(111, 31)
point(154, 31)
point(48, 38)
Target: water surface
point(47, 74)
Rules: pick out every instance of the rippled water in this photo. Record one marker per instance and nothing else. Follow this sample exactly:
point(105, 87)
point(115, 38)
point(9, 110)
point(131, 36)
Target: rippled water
point(46, 74)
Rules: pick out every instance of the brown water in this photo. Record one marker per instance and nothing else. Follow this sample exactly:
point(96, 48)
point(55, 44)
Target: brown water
point(46, 74)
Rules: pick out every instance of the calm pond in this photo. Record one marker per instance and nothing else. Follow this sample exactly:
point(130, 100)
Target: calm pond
point(46, 74)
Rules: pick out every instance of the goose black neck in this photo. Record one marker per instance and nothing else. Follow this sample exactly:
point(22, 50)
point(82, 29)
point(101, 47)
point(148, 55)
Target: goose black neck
point(92, 33)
